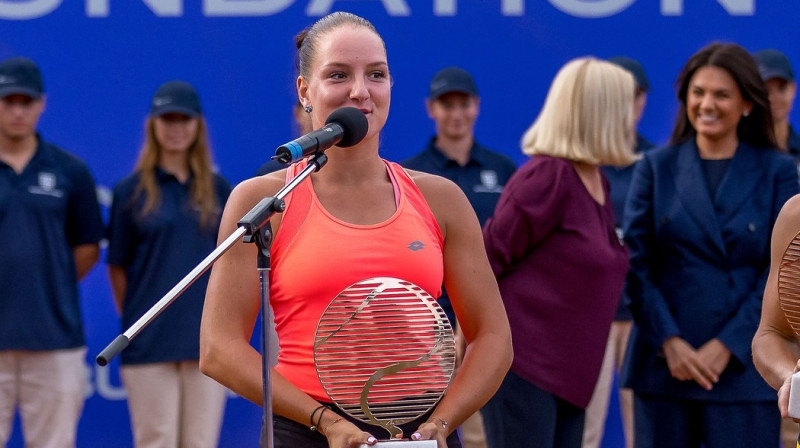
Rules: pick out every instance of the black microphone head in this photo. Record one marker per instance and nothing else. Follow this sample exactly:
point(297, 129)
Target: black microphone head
point(353, 122)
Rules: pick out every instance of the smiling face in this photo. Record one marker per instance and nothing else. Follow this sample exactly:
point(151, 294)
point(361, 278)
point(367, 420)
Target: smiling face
point(454, 114)
point(349, 68)
point(175, 132)
point(714, 104)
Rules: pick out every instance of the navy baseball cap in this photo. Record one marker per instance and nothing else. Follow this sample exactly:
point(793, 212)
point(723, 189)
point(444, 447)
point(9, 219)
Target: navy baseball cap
point(635, 68)
point(452, 79)
point(773, 64)
point(20, 76)
point(176, 97)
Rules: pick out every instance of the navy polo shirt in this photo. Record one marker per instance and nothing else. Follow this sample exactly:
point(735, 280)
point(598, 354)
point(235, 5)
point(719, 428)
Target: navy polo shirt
point(793, 146)
point(619, 180)
point(45, 211)
point(157, 251)
point(482, 179)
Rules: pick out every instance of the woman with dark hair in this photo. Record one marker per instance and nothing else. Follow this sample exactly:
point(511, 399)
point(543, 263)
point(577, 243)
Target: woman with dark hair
point(164, 221)
point(698, 222)
point(405, 224)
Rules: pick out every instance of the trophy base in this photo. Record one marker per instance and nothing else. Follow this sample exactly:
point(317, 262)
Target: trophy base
point(402, 444)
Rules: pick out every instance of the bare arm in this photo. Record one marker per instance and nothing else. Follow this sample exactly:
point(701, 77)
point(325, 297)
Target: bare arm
point(775, 349)
point(86, 255)
point(476, 300)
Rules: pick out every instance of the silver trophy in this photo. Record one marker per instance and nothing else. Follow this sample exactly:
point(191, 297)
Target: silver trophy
point(385, 354)
point(789, 296)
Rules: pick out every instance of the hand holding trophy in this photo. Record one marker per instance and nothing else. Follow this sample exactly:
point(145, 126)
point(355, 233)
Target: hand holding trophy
point(385, 354)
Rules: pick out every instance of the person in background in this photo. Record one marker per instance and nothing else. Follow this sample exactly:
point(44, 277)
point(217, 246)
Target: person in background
point(50, 230)
point(697, 223)
point(558, 260)
point(777, 73)
point(619, 179)
point(405, 224)
point(454, 104)
point(164, 221)
point(302, 126)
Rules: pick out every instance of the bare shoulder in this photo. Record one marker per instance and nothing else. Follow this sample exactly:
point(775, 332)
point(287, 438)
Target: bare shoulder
point(252, 190)
point(447, 202)
point(434, 187)
point(788, 222)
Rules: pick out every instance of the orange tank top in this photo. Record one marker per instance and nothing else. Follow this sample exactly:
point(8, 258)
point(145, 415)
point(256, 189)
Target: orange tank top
point(315, 256)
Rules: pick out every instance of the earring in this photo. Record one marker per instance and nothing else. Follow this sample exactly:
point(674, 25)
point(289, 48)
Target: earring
point(308, 109)
point(745, 113)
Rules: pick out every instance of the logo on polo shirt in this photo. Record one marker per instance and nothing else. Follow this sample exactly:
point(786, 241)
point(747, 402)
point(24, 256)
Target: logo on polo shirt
point(46, 185)
point(489, 183)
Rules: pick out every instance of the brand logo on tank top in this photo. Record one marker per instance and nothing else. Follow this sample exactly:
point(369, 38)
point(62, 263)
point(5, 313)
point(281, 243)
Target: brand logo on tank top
point(416, 245)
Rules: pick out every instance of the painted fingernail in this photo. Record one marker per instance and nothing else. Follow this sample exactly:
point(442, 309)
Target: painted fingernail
point(416, 436)
point(372, 439)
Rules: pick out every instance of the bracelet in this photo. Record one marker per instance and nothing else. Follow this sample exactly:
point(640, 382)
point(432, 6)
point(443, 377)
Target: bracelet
point(319, 419)
point(338, 419)
point(313, 427)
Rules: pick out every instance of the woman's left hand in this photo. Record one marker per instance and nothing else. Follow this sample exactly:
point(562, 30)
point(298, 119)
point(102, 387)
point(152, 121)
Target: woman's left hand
point(431, 431)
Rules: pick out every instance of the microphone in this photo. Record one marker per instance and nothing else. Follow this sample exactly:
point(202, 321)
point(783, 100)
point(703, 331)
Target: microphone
point(344, 127)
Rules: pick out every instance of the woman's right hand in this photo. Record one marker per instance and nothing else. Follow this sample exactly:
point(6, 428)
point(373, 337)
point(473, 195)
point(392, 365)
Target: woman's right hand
point(343, 434)
point(783, 394)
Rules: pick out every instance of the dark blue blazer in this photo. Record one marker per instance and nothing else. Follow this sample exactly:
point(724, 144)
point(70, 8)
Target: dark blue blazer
point(699, 264)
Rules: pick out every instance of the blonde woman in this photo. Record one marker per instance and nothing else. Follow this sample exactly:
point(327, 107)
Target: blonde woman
point(164, 221)
point(557, 258)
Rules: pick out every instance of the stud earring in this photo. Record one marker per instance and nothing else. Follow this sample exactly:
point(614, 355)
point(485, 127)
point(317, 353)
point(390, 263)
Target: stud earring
point(308, 109)
point(746, 113)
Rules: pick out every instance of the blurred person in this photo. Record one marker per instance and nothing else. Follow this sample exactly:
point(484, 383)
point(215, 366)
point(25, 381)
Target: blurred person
point(164, 221)
point(777, 73)
point(454, 104)
point(619, 179)
point(405, 224)
point(558, 260)
point(50, 229)
point(697, 223)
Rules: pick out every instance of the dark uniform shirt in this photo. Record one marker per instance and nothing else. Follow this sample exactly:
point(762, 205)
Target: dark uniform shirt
point(45, 212)
point(157, 251)
point(482, 180)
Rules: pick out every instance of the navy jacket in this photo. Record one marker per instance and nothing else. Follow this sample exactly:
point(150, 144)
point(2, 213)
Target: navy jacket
point(699, 264)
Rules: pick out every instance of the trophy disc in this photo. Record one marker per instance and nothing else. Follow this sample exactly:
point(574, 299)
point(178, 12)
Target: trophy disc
point(384, 352)
point(789, 284)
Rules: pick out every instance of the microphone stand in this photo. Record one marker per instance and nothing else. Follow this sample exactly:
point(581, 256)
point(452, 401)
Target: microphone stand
point(252, 228)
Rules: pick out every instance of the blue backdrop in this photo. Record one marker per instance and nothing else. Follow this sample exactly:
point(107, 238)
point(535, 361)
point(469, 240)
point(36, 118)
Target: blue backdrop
point(103, 60)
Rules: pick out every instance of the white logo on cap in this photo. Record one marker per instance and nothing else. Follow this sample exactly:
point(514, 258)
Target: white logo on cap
point(438, 84)
point(161, 101)
point(6, 79)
